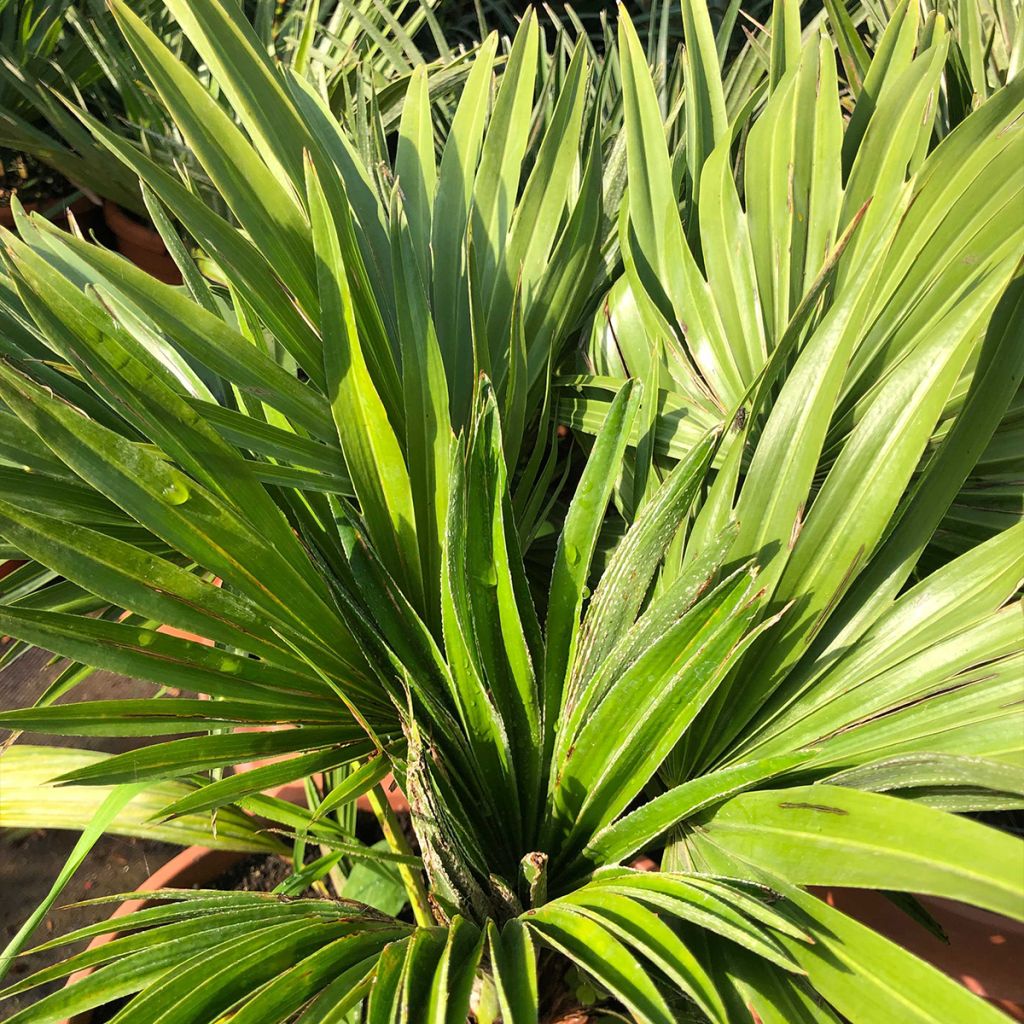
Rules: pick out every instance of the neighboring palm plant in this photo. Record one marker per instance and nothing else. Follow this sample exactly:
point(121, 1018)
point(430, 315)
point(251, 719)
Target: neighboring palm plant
point(58, 59)
point(78, 57)
point(752, 272)
point(332, 461)
point(989, 47)
point(255, 298)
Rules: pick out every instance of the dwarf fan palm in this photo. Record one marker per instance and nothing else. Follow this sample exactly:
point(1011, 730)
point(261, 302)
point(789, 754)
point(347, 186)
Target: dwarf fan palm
point(349, 430)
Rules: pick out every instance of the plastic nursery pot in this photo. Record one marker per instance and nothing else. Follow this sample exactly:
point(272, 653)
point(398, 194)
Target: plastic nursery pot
point(984, 953)
point(140, 244)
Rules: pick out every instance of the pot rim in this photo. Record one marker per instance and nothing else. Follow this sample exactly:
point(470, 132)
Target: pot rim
point(195, 865)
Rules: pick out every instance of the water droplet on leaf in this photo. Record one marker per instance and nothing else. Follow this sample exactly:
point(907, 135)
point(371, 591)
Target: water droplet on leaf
point(174, 493)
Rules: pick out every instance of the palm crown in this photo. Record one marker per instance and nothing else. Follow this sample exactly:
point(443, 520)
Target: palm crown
point(334, 456)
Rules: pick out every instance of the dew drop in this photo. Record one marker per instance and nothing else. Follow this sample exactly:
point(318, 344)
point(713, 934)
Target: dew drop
point(146, 638)
point(232, 665)
point(174, 493)
point(572, 554)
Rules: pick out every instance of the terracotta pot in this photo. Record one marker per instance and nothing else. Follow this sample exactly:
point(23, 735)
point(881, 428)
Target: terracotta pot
point(194, 867)
point(395, 796)
point(6, 568)
point(140, 244)
point(397, 799)
point(985, 951)
point(82, 208)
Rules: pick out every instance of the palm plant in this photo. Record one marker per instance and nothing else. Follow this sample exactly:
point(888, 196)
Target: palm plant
point(61, 59)
point(743, 300)
point(335, 456)
point(76, 57)
point(29, 35)
point(989, 46)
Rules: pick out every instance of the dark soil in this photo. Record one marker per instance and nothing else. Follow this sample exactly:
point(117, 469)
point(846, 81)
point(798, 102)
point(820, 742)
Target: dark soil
point(28, 867)
point(29, 862)
point(24, 680)
point(258, 873)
